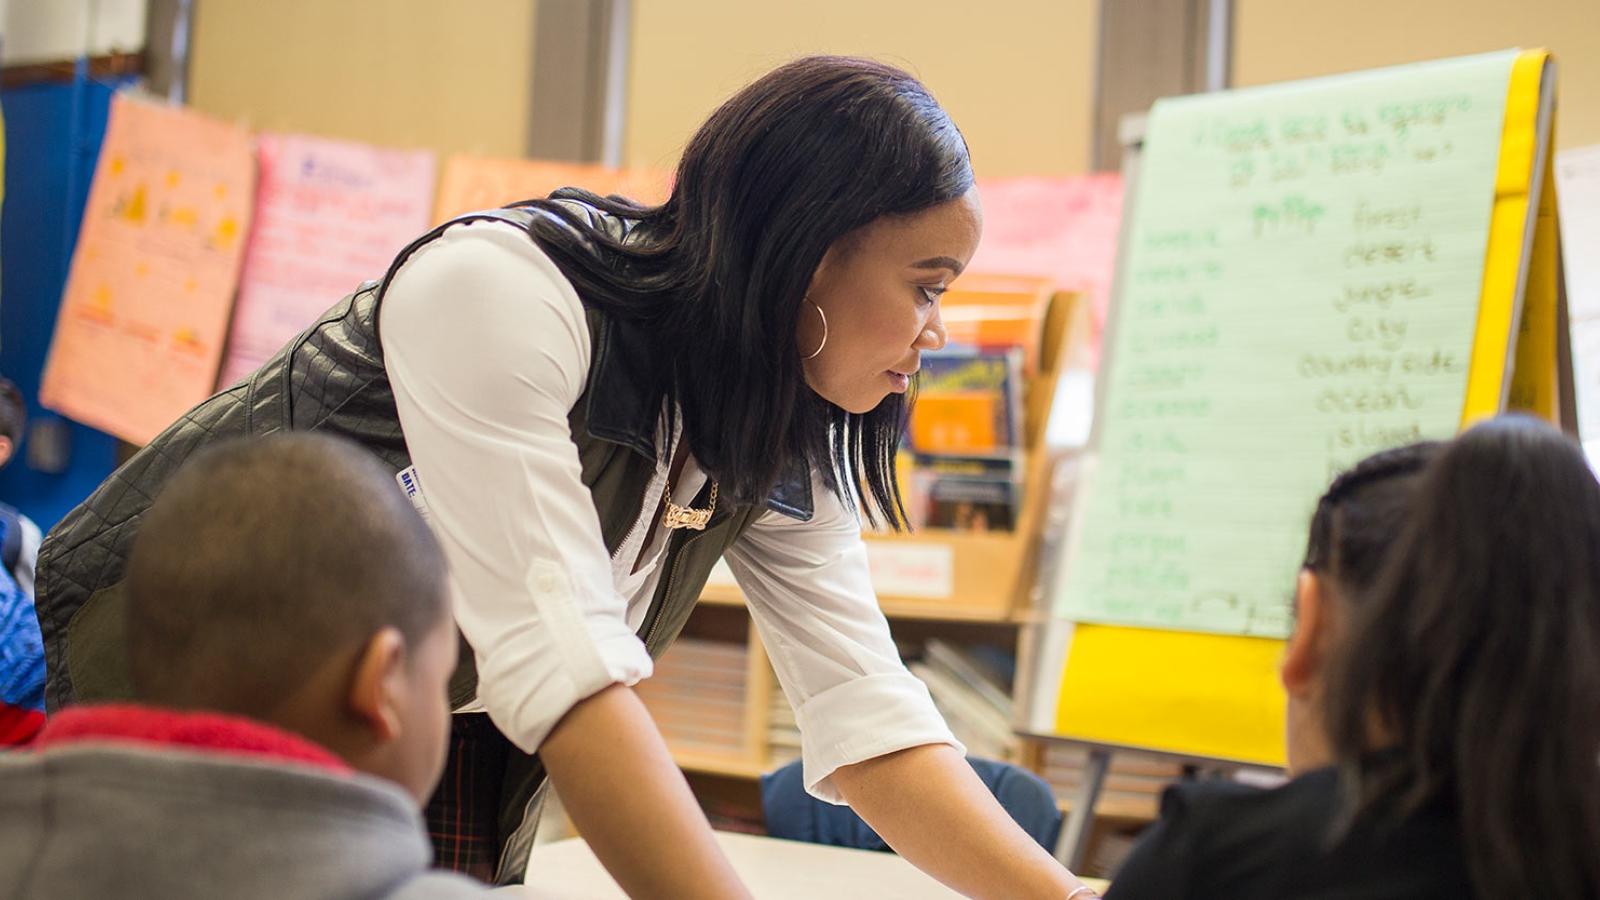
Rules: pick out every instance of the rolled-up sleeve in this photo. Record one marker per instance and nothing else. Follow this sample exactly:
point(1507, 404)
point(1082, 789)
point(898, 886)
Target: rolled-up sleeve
point(487, 349)
point(810, 592)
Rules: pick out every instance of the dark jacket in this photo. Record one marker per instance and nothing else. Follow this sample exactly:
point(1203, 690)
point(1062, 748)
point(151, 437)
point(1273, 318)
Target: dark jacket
point(1221, 839)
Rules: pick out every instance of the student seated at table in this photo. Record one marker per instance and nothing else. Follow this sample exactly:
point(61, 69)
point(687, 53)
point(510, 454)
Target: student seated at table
point(1444, 694)
point(289, 639)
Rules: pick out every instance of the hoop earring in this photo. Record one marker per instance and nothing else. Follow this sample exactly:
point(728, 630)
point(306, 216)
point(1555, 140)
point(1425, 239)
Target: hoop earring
point(824, 331)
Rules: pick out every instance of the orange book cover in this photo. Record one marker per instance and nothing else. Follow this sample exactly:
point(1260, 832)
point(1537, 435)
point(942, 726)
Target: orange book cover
point(956, 422)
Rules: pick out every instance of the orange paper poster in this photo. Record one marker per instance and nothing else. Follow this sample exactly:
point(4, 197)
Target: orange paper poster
point(471, 183)
point(141, 325)
point(329, 215)
point(1063, 228)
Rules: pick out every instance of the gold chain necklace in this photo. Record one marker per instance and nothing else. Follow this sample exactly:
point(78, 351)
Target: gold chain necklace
point(676, 516)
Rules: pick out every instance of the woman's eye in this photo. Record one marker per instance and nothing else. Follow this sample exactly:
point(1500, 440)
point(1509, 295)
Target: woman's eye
point(931, 294)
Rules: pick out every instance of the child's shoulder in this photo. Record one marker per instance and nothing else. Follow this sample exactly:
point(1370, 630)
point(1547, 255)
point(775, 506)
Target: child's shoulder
point(1231, 810)
point(1225, 838)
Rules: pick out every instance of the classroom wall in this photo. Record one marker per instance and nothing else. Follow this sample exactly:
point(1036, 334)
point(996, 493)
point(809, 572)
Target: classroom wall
point(453, 77)
point(457, 77)
point(1276, 40)
point(1017, 77)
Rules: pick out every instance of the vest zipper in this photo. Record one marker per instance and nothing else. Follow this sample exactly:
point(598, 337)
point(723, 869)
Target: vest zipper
point(672, 579)
point(641, 519)
point(649, 622)
point(627, 534)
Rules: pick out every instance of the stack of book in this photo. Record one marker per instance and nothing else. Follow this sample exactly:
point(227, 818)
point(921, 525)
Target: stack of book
point(971, 690)
point(964, 440)
point(696, 695)
point(1133, 784)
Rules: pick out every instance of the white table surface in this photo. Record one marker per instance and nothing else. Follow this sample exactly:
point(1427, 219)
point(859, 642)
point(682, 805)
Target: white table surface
point(771, 868)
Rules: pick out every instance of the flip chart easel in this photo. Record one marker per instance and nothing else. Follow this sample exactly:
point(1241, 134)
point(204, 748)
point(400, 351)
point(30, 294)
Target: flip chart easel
point(1416, 314)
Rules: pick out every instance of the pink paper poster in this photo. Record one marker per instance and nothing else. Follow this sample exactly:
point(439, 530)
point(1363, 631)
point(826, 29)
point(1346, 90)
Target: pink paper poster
point(329, 215)
point(140, 332)
point(1064, 228)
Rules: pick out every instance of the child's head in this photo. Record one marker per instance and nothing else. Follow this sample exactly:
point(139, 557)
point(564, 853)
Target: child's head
point(1356, 524)
point(288, 579)
point(13, 419)
point(1470, 655)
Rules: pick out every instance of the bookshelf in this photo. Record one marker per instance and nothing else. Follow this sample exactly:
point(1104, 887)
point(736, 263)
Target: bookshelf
point(1130, 798)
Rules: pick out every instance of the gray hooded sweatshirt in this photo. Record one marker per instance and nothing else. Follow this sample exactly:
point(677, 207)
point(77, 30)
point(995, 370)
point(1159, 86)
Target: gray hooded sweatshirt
point(116, 820)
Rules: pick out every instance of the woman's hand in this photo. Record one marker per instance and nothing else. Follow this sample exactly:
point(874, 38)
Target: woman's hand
point(929, 805)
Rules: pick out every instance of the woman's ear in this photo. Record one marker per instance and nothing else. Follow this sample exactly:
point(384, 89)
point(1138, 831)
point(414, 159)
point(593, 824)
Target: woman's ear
point(822, 277)
point(379, 683)
point(1304, 656)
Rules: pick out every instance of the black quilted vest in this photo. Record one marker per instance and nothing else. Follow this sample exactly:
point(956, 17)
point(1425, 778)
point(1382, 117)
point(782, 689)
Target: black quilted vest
point(331, 378)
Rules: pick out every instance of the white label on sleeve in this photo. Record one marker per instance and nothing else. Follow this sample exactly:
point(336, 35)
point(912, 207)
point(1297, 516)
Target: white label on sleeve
point(411, 483)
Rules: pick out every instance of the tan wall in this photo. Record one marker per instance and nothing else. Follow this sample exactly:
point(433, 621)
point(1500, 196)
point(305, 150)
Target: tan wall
point(1276, 40)
point(1017, 76)
point(450, 76)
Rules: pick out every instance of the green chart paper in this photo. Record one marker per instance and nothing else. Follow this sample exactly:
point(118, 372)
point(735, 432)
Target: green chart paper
point(1298, 289)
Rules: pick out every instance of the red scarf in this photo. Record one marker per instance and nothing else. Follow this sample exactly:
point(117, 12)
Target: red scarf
point(217, 733)
point(18, 725)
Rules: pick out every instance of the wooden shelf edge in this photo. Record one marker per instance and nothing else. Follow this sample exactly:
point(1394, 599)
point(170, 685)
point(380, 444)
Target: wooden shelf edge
point(1117, 811)
point(728, 595)
point(950, 537)
point(732, 765)
point(721, 595)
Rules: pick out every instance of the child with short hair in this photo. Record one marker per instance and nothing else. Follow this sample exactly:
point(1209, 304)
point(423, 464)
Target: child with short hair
point(290, 639)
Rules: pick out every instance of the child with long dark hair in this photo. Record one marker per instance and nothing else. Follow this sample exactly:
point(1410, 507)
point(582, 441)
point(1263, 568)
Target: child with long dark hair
point(1444, 693)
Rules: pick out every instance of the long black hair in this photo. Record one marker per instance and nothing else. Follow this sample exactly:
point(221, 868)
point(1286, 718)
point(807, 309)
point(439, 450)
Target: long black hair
point(1474, 654)
point(785, 169)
